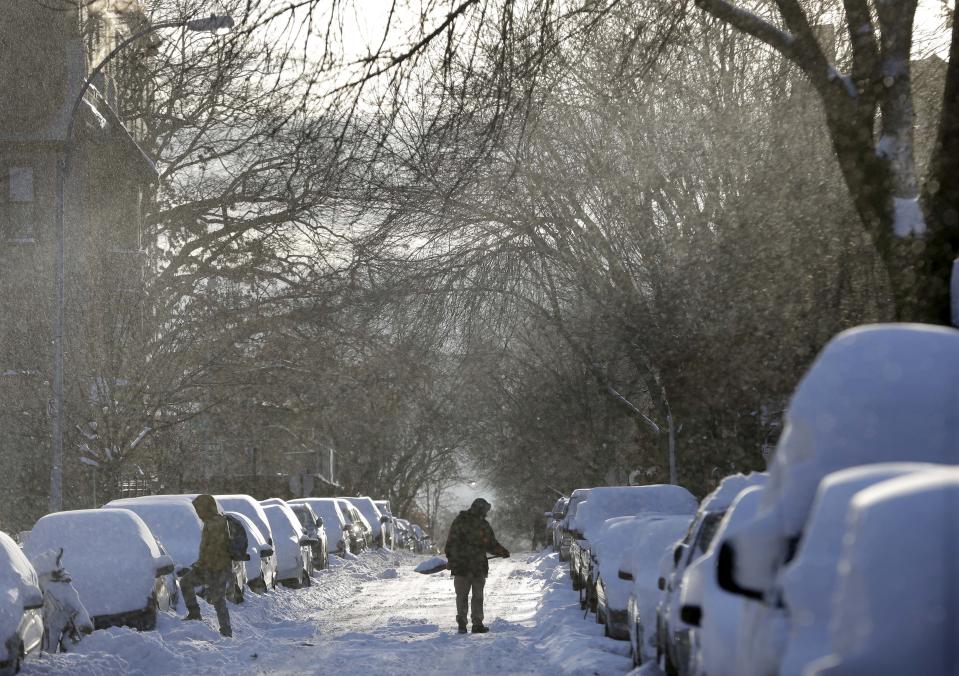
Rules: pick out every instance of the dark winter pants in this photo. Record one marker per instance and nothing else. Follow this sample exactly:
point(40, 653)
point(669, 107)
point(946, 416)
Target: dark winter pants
point(463, 584)
point(215, 582)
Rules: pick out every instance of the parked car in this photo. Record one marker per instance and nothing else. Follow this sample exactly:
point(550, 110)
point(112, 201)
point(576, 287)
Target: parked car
point(385, 510)
point(118, 569)
point(292, 547)
point(568, 525)
point(175, 524)
point(261, 564)
point(380, 523)
point(809, 580)
point(606, 502)
point(252, 510)
point(362, 531)
point(419, 538)
point(628, 551)
point(896, 609)
point(553, 519)
point(672, 632)
point(21, 607)
point(405, 536)
point(314, 528)
point(883, 393)
point(711, 612)
point(339, 530)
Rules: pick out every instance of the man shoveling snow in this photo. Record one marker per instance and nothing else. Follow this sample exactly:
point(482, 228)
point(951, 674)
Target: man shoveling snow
point(470, 539)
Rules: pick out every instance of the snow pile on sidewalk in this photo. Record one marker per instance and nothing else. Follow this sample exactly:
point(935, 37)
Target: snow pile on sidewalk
point(433, 564)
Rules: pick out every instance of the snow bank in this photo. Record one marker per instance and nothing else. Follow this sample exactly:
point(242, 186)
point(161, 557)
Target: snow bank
point(611, 501)
point(897, 606)
point(110, 553)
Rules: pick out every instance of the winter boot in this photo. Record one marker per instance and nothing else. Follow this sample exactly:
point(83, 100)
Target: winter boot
point(226, 632)
point(480, 628)
point(461, 627)
point(193, 615)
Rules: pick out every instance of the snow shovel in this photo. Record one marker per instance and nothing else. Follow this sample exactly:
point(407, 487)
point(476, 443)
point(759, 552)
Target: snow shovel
point(437, 564)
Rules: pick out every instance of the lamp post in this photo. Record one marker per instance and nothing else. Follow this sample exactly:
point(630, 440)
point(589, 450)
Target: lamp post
point(205, 25)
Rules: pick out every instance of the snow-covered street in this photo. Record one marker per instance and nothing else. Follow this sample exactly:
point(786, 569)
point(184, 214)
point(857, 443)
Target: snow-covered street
point(373, 615)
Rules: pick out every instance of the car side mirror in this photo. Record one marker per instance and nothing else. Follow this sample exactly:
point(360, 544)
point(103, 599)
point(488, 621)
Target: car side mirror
point(266, 552)
point(346, 526)
point(625, 575)
point(661, 583)
point(691, 615)
point(164, 565)
point(678, 553)
point(319, 522)
point(726, 573)
point(384, 519)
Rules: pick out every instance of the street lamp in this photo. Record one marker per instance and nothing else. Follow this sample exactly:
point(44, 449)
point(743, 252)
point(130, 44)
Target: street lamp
point(205, 25)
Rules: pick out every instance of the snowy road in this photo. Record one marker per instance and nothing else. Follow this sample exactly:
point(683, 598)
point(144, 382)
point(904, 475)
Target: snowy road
point(376, 616)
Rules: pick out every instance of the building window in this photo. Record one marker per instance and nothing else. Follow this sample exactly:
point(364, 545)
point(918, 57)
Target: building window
point(17, 211)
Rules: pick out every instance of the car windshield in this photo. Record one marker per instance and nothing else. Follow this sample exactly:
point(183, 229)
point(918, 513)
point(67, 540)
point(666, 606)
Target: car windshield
point(708, 531)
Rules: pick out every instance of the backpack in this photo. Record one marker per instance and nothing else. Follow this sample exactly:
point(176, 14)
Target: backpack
point(238, 541)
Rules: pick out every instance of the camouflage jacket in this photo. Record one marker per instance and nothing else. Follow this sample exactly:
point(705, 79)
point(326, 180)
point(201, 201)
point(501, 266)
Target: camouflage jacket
point(470, 540)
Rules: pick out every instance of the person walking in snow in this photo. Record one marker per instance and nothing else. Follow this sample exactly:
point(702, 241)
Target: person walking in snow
point(470, 540)
point(214, 567)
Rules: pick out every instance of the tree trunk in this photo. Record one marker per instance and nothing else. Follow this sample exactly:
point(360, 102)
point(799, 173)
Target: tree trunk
point(941, 199)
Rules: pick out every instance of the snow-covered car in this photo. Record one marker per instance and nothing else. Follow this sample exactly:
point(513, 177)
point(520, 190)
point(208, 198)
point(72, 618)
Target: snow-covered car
point(406, 538)
point(387, 511)
point(337, 526)
point(380, 523)
point(711, 612)
point(625, 552)
point(629, 549)
point(118, 569)
point(606, 502)
point(884, 393)
point(314, 528)
point(896, 610)
point(252, 510)
point(292, 547)
point(809, 580)
point(174, 522)
point(261, 564)
point(361, 532)
point(21, 607)
point(673, 634)
point(553, 519)
point(567, 526)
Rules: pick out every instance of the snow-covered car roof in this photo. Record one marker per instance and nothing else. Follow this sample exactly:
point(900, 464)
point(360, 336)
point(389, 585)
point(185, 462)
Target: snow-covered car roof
point(111, 554)
point(19, 587)
point(606, 502)
point(174, 523)
point(730, 487)
point(250, 508)
point(897, 603)
point(369, 511)
point(882, 393)
point(384, 506)
point(809, 580)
